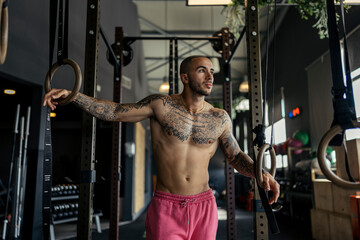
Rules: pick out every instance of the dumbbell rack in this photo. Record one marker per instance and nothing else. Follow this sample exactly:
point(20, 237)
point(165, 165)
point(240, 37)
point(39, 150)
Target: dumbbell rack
point(64, 202)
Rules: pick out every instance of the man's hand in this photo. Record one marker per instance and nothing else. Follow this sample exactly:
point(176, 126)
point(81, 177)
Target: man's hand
point(270, 183)
point(53, 96)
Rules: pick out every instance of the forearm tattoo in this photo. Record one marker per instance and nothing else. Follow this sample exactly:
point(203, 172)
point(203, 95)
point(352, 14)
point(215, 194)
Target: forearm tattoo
point(237, 158)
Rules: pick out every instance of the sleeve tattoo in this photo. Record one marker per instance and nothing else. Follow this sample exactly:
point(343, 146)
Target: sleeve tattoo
point(237, 158)
point(111, 111)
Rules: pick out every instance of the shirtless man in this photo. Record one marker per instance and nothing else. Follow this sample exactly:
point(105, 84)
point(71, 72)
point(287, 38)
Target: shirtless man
point(185, 133)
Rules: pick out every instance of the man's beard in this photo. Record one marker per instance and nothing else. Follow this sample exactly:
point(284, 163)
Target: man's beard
point(196, 88)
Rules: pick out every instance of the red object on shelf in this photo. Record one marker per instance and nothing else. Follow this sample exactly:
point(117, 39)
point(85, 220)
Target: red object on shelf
point(249, 199)
point(355, 213)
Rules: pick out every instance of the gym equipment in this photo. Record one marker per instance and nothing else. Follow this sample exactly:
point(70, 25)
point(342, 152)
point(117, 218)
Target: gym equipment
point(127, 53)
point(4, 24)
point(62, 48)
point(329, 135)
point(16, 193)
point(18, 187)
point(259, 162)
point(227, 101)
point(302, 136)
point(87, 163)
point(116, 140)
point(11, 171)
point(22, 183)
point(65, 207)
point(296, 144)
point(78, 79)
point(253, 48)
point(173, 54)
point(217, 43)
point(62, 59)
point(344, 108)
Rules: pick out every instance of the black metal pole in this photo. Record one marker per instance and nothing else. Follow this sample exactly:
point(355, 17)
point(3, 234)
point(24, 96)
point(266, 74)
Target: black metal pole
point(176, 62)
point(171, 73)
point(116, 141)
point(233, 50)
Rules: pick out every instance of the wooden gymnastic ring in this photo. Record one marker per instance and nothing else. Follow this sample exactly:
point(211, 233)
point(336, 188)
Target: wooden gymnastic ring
point(78, 80)
point(4, 18)
point(259, 163)
point(322, 159)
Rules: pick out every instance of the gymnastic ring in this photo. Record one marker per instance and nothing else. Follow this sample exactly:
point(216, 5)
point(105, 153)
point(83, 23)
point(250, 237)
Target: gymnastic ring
point(78, 80)
point(4, 18)
point(259, 163)
point(322, 159)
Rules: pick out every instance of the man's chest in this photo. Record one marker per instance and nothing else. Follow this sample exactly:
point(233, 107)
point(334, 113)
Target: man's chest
point(201, 128)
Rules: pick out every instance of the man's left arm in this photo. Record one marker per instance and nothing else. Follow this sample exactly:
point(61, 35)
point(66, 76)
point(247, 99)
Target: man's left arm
point(242, 162)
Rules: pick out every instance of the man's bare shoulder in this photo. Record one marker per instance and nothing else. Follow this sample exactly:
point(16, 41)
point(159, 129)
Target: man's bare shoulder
point(218, 113)
point(155, 98)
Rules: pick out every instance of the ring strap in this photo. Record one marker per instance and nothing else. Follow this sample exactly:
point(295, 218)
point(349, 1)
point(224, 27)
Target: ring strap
point(344, 111)
point(47, 163)
point(47, 177)
point(274, 228)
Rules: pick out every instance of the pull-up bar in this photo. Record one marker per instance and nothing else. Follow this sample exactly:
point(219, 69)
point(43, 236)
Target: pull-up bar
point(132, 39)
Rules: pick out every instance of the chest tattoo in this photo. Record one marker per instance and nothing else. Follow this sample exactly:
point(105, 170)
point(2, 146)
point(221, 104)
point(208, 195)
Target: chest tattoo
point(199, 128)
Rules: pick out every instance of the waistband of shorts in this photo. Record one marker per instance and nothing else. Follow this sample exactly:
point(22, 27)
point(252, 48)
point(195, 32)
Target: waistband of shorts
point(204, 196)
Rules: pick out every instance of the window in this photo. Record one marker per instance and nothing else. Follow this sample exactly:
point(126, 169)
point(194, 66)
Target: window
point(355, 76)
point(279, 133)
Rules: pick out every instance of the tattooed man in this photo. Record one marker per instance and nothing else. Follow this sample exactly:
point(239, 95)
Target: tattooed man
point(185, 133)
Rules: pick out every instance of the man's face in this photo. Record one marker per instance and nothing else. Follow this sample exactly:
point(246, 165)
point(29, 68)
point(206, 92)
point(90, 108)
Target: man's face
point(201, 76)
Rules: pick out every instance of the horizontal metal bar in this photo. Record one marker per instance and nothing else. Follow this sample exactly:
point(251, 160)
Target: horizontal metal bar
point(171, 38)
point(166, 58)
point(164, 63)
point(161, 31)
point(179, 32)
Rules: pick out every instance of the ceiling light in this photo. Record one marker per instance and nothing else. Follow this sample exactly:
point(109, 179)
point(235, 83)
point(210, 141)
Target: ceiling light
point(352, 2)
point(9, 91)
point(164, 87)
point(52, 114)
point(208, 2)
point(244, 86)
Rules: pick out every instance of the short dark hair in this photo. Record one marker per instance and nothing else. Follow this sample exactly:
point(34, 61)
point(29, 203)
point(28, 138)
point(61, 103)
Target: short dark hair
point(185, 64)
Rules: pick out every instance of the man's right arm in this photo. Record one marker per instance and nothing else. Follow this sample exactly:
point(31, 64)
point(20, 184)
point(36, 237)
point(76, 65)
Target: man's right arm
point(107, 110)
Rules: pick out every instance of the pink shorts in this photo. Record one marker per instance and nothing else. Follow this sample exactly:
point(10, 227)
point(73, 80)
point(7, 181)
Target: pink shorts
point(178, 217)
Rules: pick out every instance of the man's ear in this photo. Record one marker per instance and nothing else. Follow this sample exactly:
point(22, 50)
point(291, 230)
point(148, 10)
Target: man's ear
point(184, 78)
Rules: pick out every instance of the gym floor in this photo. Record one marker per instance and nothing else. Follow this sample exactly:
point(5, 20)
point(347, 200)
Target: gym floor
point(289, 230)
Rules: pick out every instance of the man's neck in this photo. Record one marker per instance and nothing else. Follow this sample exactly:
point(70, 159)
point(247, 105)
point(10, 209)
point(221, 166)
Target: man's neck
point(192, 103)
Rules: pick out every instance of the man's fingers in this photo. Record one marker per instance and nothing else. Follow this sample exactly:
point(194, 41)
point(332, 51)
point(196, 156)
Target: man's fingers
point(270, 183)
point(51, 97)
point(276, 191)
point(266, 184)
